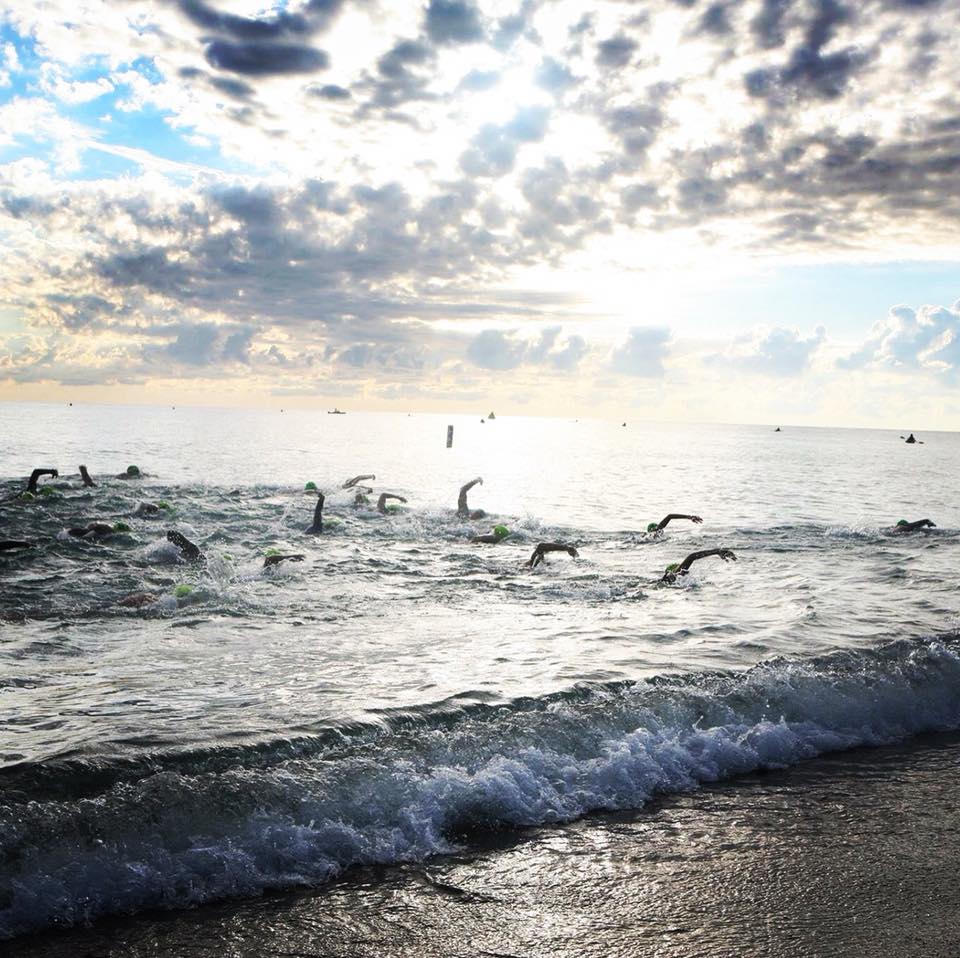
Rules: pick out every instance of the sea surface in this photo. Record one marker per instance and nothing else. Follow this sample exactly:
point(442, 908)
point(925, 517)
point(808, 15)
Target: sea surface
point(402, 690)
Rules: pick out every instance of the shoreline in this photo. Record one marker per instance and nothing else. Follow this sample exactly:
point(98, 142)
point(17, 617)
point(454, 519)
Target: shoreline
point(855, 852)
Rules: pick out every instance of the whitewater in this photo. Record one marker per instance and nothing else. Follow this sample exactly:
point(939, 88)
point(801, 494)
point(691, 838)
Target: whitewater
point(402, 689)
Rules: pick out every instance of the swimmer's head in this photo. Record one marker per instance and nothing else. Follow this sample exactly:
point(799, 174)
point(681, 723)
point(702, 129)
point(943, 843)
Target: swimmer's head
point(163, 504)
point(182, 591)
point(902, 522)
point(673, 567)
point(394, 508)
point(121, 527)
point(478, 514)
point(133, 471)
point(501, 531)
point(310, 487)
point(27, 494)
point(272, 552)
point(48, 491)
point(652, 527)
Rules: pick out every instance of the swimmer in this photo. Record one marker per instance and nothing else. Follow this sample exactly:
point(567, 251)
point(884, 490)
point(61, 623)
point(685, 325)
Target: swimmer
point(14, 545)
point(544, 547)
point(188, 550)
point(147, 509)
point(382, 501)
point(133, 472)
point(136, 600)
point(350, 483)
point(97, 530)
point(682, 568)
point(903, 526)
point(498, 534)
point(277, 559)
point(360, 499)
point(85, 476)
point(317, 528)
point(36, 474)
point(655, 527)
point(463, 510)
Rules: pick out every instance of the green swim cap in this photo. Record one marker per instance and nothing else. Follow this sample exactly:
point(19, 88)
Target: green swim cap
point(163, 504)
point(48, 491)
point(902, 522)
point(182, 590)
point(310, 487)
point(272, 552)
point(121, 527)
point(673, 567)
point(133, 470)
point(501, 531)
point(394, 508)
point(652, 526)
point(27, 494)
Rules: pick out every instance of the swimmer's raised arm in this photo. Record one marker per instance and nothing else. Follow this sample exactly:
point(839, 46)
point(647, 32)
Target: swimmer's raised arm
point(276, 559)
point(317, 528)
point(544, 547)
point(665, 521)
point(463, 510)
point(684, 567)
point(85, 476)
point(350, 483)
point(189, 551)
point(382, 501)
point(36, 474)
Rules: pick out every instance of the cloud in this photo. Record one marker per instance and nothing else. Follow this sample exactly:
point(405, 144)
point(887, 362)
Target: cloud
point(254, 58)
point(502, 351)
point(493, 151)
point(925, 339)
point(643, 352)
point(771, 352)
point(616, 52)
point(453, 22)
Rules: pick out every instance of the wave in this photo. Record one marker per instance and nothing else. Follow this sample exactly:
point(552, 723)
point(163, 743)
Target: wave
point(188, 830)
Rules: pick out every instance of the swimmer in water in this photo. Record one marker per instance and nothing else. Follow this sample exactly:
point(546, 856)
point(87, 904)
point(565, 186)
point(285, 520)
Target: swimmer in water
point(544, 547)
point(463, 510)
point(85, 476)
point(903, 526)
point(97, 530)
point(35, 476)
point(350, 483)
point(133, 472)
point(317, 528)
point(360, 499)
point(277, 559)
point(682, 568)
point(14, 545)
point(188, 550)
point(498, 534)
point(655, 528)
point(382, 501)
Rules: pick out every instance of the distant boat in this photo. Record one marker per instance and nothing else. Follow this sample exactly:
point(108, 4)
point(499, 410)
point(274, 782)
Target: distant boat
point(492, 416)
point(336, 412)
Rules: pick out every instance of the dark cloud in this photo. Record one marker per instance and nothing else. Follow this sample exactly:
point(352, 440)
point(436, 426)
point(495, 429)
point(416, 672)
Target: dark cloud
point(643, 352)
point(616, 52)
point(715, 20)
point(453, 22)
point(398, 80)
point(265, 59)
point(235, 88)
point(202, 344)
point(329, 91)
point(502, 351)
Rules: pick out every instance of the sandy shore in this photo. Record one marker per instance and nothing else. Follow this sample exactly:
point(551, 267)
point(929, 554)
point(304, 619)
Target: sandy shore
point(853, 854)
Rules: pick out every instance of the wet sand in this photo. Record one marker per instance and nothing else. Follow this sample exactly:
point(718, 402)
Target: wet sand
point(852, 854)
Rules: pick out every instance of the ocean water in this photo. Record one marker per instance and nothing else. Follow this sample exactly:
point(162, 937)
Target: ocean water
point(402, 688)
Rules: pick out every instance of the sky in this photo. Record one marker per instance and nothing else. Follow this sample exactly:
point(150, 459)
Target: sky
point(732, 211)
